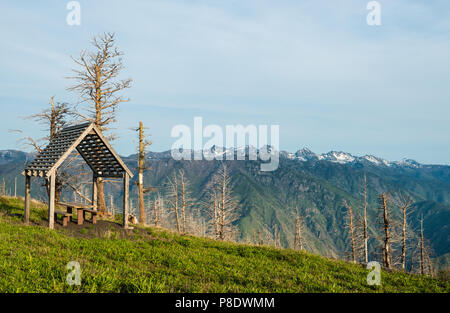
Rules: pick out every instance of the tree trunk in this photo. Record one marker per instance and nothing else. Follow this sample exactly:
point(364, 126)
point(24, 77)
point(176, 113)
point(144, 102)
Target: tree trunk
point(183, 202)
point(101, 204)
point(298, 240)
point(403, 256)
point(222, 209)
point(155, 208)
point(387, 236)
point(142, 219)
point(176, 203)
point(366, 250)
point(216, 217)
point(352, 234)
point(422, 252)
point(176, 214)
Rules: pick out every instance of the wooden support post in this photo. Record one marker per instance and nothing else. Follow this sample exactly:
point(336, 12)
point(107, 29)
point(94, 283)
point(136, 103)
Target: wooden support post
point(65, 220)
point(80, 214)
point(126, 183)
point(94, 192)
point(51, 202)
point(70, 210)
point(26, 214)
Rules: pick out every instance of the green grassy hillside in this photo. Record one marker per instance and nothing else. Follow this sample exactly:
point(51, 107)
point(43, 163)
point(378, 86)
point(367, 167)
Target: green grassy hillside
point(267, 200)
point(33, 259)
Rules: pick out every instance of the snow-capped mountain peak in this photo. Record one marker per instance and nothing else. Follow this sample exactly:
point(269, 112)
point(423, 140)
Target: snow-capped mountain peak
point(338, 157)
point(305, 155)
point(341, 157)
point(302, 155)
point(376, 161)
point(407, 163)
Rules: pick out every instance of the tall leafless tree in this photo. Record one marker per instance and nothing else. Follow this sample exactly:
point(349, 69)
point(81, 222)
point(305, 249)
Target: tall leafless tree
point(143, 144)
point(54, 118)
point(351, 229)
point(156, 208)
point(422, 248)
point(224, 204)
point(173, 195)
point(185, 199)
point(404, 204)
point(365, 233)
point(387, 229)
point(214, 210)
point(421, 261)
point(298, 238)
point(276, 236)
point(180, 199)
point(98, 86)
point(160, 214)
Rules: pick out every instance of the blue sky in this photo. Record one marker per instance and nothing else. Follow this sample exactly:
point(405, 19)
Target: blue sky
point(314, 67)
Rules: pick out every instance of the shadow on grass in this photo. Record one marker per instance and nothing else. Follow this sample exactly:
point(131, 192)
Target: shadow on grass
point(14, 208)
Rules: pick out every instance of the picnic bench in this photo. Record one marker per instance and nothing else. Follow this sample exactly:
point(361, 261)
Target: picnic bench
point(81, 212)
point(65, 217)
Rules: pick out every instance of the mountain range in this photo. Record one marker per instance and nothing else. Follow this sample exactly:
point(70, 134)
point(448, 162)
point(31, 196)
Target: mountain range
point(315, 184)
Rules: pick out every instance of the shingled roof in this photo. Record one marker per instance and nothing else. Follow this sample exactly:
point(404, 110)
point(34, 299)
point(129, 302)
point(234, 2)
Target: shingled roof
point(88, 140)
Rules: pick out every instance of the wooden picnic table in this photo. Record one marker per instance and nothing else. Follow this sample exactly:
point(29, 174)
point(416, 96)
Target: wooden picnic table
point(81, 211)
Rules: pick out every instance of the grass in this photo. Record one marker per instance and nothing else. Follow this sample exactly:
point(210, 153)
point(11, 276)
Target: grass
point(34, 258)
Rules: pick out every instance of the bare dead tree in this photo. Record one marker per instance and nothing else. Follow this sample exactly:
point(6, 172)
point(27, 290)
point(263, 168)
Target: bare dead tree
point(159, 212)
point(421, 257)
point(365, 233)
point(185, 198)
point(76, 191)
point(97, 84)
point(54, 118)
point(149, 211)
point(387, 230)
point(257, 238)
point(298, 239)
point(174, 196)
point(266, 235)
point(141, 160)
point(196, 222)
point(203, 227)
point(156, 204)
point(422, 248)
point(352, 230)
point(180, 199)
point(227, 205)
point(427, 259)
point(224, 204)
point(213, 206)
point(143, 144)
point(404, 204)
point(276, 236)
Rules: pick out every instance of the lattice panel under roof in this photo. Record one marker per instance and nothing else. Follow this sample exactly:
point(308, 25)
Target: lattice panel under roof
point(45, 160)
point(99, 157)
point(91, 145)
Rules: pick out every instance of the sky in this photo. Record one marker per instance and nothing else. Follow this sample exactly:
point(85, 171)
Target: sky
point(315, 68)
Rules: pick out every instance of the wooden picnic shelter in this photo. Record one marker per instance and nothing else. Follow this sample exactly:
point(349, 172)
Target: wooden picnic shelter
point(94, 148)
